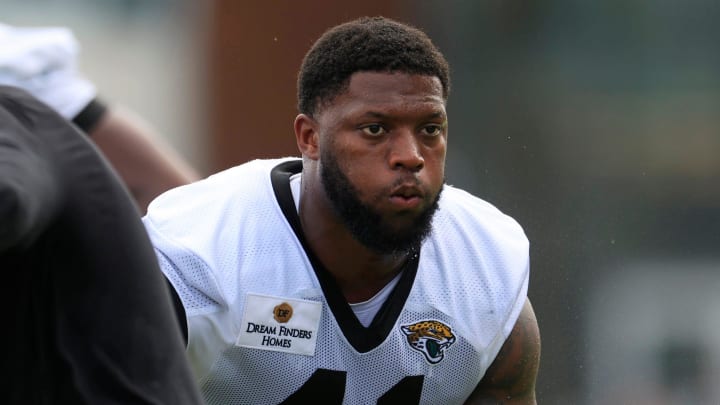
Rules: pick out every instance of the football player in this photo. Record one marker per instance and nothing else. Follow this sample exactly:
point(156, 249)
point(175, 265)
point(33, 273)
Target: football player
point(353, 274)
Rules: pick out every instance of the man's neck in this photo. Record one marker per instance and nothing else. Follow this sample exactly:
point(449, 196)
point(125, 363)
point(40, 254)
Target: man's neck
point(359, 272)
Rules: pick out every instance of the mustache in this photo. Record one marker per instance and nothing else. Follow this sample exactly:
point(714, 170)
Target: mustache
point(410, 185)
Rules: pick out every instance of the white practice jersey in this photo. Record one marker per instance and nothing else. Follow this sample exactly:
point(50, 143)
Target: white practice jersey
point(267, 324)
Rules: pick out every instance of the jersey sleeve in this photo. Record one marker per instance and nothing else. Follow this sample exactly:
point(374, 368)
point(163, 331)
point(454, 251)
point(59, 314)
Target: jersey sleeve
point(191, 288)
point(489, 258)
point(512, 315)
point(208, 318)
point(190, 276)
point(514, 259)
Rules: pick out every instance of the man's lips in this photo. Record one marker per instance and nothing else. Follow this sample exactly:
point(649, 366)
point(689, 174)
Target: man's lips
point(407, 197)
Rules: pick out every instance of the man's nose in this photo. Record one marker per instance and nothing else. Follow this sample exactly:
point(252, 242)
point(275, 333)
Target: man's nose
point(406, 151)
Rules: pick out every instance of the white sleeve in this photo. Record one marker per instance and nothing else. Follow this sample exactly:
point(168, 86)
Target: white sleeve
point(188, 286)
point(193, 280)
point(43, 61)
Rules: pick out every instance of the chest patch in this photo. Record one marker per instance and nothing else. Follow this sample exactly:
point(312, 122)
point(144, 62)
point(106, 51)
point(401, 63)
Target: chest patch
point(431, 338)
point(280, 324)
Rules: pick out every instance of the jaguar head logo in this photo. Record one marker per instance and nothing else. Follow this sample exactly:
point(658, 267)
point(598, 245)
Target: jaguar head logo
point(431, 338)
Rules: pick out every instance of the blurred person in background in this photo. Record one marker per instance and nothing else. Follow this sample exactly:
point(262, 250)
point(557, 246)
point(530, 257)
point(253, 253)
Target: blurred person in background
point(43, 61)
point(88, 314)
point(353, 274)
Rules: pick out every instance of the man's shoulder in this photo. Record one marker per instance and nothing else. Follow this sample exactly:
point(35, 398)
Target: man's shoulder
point(458, 206)
point(246, 180)
point(483, 254)
point(471, 233)
point(215, 202)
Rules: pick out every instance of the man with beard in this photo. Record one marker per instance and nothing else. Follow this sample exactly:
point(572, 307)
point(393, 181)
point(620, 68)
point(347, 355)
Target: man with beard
point(353, 275)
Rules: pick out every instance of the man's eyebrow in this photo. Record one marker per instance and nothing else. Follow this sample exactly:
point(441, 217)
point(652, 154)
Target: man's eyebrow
point(379, 115)
point(375, 114)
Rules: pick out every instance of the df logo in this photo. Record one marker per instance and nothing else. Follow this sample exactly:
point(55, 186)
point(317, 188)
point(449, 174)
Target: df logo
point(282, 312)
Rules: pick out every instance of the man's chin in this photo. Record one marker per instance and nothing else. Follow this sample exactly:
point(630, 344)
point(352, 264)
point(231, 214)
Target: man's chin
point(396, 240)
point(394, 248)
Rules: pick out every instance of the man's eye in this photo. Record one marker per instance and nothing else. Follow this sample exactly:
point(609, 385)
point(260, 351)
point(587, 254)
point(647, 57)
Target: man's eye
point(374, 129)
point(432, 130)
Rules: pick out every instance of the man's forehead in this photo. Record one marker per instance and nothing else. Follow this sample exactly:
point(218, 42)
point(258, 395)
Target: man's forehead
point(380, 91)
point(387, 89)
point(398, 82)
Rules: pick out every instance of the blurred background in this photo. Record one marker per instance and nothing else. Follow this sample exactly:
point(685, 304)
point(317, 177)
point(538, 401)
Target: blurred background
point(595, 124)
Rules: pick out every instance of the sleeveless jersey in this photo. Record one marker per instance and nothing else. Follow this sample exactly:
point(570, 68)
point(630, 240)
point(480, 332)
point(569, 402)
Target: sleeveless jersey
point(268, 325)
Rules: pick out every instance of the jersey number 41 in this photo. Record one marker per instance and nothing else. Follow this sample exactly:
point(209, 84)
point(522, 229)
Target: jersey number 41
point(328, 387)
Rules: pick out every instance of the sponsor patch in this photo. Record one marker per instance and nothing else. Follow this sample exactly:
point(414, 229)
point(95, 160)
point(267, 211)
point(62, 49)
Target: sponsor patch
point(280, 324)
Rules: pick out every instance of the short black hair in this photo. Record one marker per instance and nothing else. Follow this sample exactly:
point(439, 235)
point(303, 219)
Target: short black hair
point(375, 44)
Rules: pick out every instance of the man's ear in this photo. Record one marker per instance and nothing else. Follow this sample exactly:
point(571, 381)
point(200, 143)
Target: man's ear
point(307, 136)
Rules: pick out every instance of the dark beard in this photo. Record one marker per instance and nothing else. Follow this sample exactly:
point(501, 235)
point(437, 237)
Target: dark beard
point(366, 224)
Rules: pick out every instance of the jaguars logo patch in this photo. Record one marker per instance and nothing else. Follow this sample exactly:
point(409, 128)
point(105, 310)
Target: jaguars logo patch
point(431, 338)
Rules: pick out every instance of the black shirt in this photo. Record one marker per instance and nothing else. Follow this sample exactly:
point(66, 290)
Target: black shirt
point(90, 318)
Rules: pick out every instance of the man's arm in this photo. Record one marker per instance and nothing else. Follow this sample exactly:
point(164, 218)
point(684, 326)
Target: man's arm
point(43, 61)
point(147, 165)
point(510, 379)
